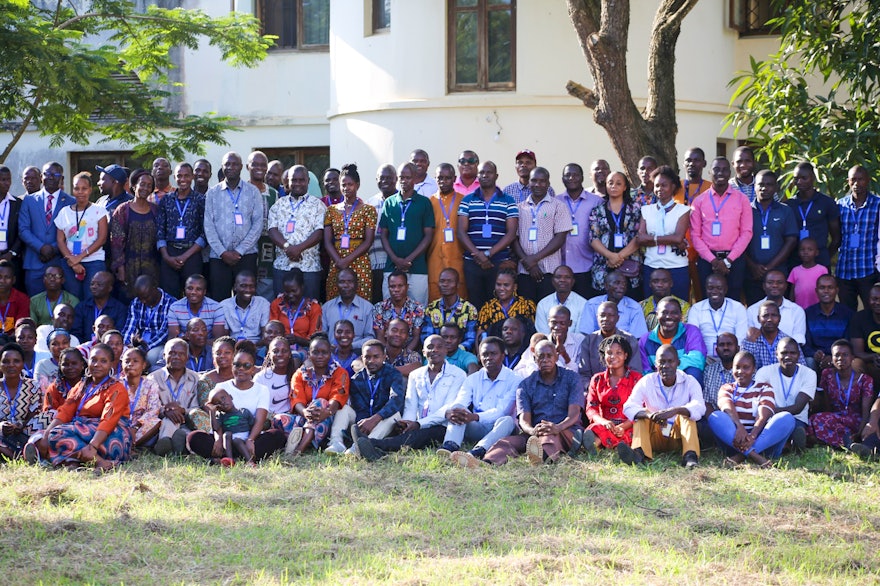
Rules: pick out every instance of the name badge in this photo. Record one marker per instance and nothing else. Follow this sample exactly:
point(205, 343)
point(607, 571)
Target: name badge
point(77, 247)
point(667, 429)
point(854, 240)
point(533, 234)
point(180, 233)
point(3, 236)
point(487, 231)
point(239, 219)
point(661, 249)
point(618, 241)
point(574, 229)
point(345, 241)
point(401, 233)
point(291, 226)
point(716, 228)
point(447, 235)
point(765, 242)
point(804, 233)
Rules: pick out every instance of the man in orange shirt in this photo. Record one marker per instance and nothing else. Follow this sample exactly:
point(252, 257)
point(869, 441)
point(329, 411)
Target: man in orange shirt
point(445, 250)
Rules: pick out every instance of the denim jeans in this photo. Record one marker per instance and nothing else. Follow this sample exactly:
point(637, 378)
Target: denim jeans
point(772, 438)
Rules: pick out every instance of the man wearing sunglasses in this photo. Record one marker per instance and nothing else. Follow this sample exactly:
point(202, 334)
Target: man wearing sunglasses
point(467, 183)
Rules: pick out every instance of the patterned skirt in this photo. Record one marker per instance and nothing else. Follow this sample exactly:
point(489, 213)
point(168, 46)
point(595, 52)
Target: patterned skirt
point(287, 421)
point(67, 439)
point(607, 438)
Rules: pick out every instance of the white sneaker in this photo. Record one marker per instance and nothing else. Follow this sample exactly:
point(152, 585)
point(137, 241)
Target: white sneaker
point(335, 447)
point(293, 440)
point(352, 451)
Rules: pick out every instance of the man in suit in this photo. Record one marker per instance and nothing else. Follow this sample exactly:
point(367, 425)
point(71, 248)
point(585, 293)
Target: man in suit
point(36, 225)
point(10, 243)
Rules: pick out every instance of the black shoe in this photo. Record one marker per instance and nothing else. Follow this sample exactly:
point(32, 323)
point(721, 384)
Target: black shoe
point(590, 443)
point(799, 439)
point(690, 460)
point(447, 448)
point(368, 451)
point(861, 450)
point(478, 453)
point(577, 440)
point(629, 456)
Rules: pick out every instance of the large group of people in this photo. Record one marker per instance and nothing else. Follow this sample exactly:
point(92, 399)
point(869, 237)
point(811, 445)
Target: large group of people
point(247, 318)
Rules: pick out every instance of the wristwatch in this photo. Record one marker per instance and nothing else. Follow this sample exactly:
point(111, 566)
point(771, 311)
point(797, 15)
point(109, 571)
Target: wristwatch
point(286, 245)
point(726, 262)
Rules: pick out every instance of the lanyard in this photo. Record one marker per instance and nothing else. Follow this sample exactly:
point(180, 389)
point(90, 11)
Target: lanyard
point(30, 371)
point(13, 409)
point(235, 199)
point(181, 212)
point(51, 307)
point(292, 317)
point(346, 364)
point(852, 376)
point(786, 393)
point(373, 390)
point(805, 214)
point(294, 205)
point(346, 218)
point(80, 220)
point(242, 320)
point(617, 218)
point(537, 210)
point(150, 315)
point(98, 310)
point(737, 395)
point(447, 214)
point(687, 188)
point(404, 207)
point(3, 316)
point(663, 391)
point(451, 309)
point(196, 366)
point(571, 208)
point(721, 321)
point(137, 395)
point(718, 208)
point(765, 217)
point(90, 391)
point(504, 310)
point(488, 204)
point(175, 393)
point(5, 211)
point(510, 362)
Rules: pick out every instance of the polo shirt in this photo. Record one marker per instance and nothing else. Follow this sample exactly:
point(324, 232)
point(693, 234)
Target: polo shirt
point(210, 312)
point(495, 212)
point(823, 330)
point(814, 215)
point(418, 215)
point(550, 402)
point(777, 223)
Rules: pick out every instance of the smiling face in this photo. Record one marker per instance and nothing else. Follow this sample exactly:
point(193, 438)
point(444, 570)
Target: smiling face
point(720, 175)
point(669, 317)
point(397, 333)
point(72, 366)
point(775, 285)
point(505, 287)
point(563, 280)
point(615, 357)
point(243, 368)
point(258, 165)
point(344, 335)
point(184, 176)
point(787, 354)
point(279, 351)
point(144, 187)
point(744, 163)
point(743, 369)
point(194, 291)
point(435, 350)
point(223, 354)
point(245, 288)
point(100, 363)
point(826, 289)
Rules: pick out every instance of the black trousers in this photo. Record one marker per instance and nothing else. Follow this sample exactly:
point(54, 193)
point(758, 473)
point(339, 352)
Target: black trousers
point(223, 275)
point(416, 439)
point(173, 281)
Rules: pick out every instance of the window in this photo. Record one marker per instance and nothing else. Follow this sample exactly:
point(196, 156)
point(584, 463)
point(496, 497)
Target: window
point(482, 45)
point(316, 159)
point(86, 161)
point(298, 24)
point(381, 15)
point(750, 17)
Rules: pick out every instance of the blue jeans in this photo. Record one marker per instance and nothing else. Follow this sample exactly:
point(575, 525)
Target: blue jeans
point(486, 434)
point(772, 438)
point(81, 289)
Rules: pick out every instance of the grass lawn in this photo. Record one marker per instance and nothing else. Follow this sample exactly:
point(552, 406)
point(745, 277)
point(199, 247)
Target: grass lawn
point(414, 519)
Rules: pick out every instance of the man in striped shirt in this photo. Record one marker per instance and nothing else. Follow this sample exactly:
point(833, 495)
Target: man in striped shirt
point(147, 324)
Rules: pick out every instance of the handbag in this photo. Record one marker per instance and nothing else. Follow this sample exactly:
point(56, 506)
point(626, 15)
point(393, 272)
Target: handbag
point(630, 268)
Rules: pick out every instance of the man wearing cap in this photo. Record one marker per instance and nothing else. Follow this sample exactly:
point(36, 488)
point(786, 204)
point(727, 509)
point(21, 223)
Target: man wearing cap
point(36, 226)
point(112, 186)
point(520, 190)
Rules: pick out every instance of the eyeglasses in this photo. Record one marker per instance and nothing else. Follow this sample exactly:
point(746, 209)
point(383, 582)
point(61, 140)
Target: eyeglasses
point(470, 161)
point(52, 276)
point(243, 365)
point(48, 174)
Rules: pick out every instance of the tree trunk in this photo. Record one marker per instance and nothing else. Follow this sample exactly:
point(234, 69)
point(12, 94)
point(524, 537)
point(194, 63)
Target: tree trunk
point(602, 27)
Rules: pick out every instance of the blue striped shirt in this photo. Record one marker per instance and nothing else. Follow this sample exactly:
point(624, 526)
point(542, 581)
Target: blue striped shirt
point(499, 209)
point(858, 237)
point(210, 313)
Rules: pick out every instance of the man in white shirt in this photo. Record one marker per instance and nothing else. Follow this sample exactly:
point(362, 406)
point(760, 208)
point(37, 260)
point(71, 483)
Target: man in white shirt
point(717, 314)
point(563, 283)
point(567, 343)
point(792, 319)
point(431, 391)
point(424, 183)
point(664, 407)
point(794, 386)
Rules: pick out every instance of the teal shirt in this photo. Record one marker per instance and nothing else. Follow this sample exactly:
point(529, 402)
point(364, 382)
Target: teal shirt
point(419, 215)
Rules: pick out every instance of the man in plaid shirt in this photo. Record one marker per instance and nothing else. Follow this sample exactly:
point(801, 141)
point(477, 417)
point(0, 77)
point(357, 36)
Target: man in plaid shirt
point(147, 323)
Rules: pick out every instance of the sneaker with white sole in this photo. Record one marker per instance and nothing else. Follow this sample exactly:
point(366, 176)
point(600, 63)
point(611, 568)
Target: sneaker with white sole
point(31, 454)
point(465, 459)
point(335, 447)
point(535, 451)
point(296, 435)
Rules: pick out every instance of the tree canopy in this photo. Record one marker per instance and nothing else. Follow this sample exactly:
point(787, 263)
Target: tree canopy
point(818, 98)
point(77, 70)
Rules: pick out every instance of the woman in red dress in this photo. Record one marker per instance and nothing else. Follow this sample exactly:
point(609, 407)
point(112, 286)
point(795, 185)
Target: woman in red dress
point(608, 391)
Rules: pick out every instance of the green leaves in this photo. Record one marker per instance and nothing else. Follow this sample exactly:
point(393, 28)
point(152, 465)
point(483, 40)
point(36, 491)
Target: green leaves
point(107, 72)
point(817, 98)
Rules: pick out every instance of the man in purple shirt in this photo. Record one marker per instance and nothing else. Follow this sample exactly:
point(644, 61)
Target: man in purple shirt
point(577, 252)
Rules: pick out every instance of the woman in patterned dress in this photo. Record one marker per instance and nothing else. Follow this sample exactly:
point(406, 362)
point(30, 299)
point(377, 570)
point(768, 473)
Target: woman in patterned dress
point(608, 391)
point(849, 395)
point(614, 226)
point(19, 403)
point(133, 230)
point(505, 304)
point(349, 231)
point(143, 396)
point(71, 370)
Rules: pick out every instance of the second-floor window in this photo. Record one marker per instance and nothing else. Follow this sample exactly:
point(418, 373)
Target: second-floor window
point(298, 24)
point(482, 45)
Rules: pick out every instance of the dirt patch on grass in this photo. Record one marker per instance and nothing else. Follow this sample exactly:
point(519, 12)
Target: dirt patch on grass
point(54, 495)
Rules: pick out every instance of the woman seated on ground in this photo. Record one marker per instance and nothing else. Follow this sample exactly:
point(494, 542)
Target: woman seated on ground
point(276, 374)
point(608, 391)
point(143, 396)
point(47, 369)
point(26, 336)
point(245, 394)
point(222, 352)
point(848, 395)
point(746, 419)
point(505, 304)
point(320, 389)
point(92, 425)
point(72, 369)
point(19, 403)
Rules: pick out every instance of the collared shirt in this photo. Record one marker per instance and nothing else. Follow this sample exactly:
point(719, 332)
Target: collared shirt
point(730, 317)
point(419, 216)
point(428, 187)
point(460, 187)
point(858, 237)
point(764, 351)
point(815, 215)
point(221, 230)
point(791, 318)
point(462, 359)
point(650, 393)
point(550, 402)
point(87, 311)
point(359, 313)
point(169, 220)
point(776, 223)
point(498, 210)
point(649, 308)
point(747, 188)
point(427, 401)
point(109, 204)
point(574, 303)
point(183, 391)
point(246, 323)
point(378, 256)
point(41, 308)
point(412, 313)
point(632, 318)
point(641, 196)
point(520, 192)
point(577, 252)
point(714, 376)
point(386, 388)
point(491, 399)
point(735, 215)
point(590, 361)
point(179, 313)
point(803, 381)
point(150, 322)
point(547, 218)
point(462, 313)
point(307, 215)
point(823, 330)
point(159, 194)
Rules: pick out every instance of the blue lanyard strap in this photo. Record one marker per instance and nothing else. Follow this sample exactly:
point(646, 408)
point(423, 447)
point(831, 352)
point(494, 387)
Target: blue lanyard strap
point(90, 391)
point(786, 393)
point(292, 317)
point(852, 377)
point(346, 218)
point(137, 395)
point(447, 214)
point(182, 212)
point(718, 208)
point(804, 214)
point(736, 395)
point(571, 208)
point(374, 388)
point(13, 408)
point(721, 321)
point(175, 392)
point(234, 199)
point(537, 209)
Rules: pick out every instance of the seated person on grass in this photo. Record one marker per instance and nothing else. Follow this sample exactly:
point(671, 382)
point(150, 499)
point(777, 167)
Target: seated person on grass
point(685, 338)
point(231, 426)
point(606, 395)
point(794, 387)
point(455, 353)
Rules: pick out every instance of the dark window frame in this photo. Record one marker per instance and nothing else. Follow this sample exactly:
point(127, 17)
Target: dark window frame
point(483, 84)
point(378, 12)
point(299, 46)
point(744, 16)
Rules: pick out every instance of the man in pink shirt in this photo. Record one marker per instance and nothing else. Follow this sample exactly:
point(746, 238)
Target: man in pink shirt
point(467, 183)
point(721, 229)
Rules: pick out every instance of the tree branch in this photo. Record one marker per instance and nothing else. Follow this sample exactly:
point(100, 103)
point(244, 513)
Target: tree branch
point(584, 94)
point(23, 128)
point(661, 58)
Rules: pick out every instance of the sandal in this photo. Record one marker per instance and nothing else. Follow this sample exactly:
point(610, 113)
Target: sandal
point(730, 463)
